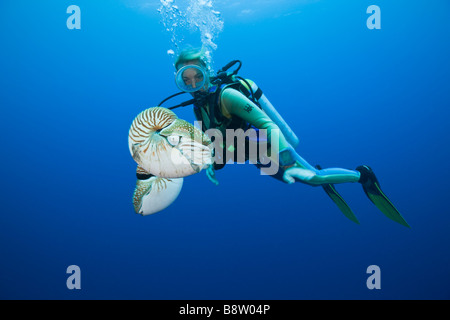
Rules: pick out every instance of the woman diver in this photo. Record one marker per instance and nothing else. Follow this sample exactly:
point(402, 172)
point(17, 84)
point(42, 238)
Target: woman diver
point(230, 102)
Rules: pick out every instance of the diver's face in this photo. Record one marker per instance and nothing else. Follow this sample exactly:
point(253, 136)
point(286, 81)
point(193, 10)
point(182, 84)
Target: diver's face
point(192, 77)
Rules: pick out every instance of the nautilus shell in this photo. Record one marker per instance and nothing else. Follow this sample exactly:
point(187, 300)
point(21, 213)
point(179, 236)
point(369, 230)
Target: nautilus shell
point(166, 146)
point(155, 194)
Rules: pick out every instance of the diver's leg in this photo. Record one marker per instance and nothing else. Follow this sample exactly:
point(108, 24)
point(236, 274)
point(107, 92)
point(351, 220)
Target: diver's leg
point(317, 177)
point(333, 176)
point(302, 171)
point(291, 167)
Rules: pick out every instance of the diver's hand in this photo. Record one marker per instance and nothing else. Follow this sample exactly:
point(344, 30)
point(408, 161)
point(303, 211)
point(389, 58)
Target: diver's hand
point(211, 174)
point(295, 172)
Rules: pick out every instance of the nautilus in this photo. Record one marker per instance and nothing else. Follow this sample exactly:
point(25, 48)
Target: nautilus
point(166, 146)
point(155, 194)
point(166, 149)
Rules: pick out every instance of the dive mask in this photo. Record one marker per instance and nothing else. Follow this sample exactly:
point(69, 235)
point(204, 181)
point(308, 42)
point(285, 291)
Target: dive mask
point(191, 78)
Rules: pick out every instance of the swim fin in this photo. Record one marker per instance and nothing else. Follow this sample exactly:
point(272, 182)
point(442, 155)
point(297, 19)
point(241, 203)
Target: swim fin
point(371, 187)
point(338, 200)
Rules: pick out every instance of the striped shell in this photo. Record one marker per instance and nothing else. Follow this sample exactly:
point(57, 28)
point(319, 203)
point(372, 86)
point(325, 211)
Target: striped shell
point(166, 146)
point(155, 194)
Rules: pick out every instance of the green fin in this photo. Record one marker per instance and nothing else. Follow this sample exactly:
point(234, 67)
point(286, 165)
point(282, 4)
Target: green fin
point(340, 202)
point(382, 202)
point(337, 198)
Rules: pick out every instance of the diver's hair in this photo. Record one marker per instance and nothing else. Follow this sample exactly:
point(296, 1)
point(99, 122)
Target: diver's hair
point(190, 54)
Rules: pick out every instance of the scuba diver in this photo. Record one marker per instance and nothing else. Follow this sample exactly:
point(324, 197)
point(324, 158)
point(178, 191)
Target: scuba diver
point(227, 101)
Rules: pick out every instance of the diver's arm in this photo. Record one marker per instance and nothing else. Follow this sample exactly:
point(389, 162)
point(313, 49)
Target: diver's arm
point(235, 103)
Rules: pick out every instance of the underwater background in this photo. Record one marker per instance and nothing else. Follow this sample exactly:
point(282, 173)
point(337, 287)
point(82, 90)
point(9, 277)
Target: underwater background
point(353, 95)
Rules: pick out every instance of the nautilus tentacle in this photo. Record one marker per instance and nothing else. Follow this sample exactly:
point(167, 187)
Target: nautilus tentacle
point(166, 146)
point(155, 194)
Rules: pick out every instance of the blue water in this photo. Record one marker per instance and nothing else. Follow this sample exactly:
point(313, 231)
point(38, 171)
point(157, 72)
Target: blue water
point(353, 96)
